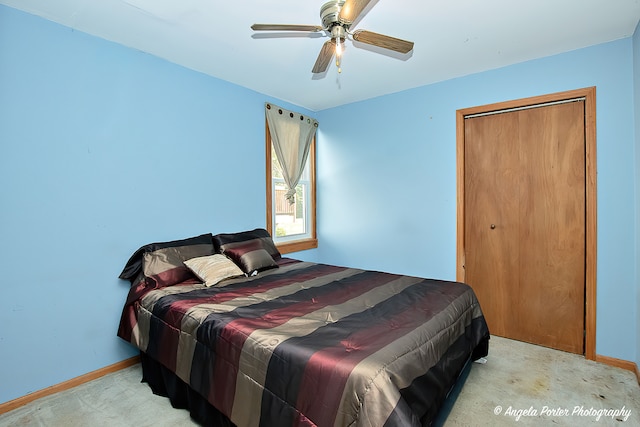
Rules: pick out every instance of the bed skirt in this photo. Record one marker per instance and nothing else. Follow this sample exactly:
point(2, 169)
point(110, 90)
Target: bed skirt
point(165, 383)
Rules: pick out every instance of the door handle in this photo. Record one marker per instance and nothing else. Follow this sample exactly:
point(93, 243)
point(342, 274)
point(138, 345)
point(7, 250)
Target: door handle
point(493, 226)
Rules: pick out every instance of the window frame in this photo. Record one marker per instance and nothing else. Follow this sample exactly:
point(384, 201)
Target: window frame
point(297, 244)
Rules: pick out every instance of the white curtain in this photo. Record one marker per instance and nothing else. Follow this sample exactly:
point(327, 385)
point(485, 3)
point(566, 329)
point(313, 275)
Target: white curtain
point(291, 136)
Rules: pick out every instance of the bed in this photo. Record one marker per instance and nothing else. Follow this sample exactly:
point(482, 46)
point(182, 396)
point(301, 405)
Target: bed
point(239, 335)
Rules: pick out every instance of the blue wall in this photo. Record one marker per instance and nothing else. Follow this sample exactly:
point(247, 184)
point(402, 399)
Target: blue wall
point(387, 176)
point(103, 149)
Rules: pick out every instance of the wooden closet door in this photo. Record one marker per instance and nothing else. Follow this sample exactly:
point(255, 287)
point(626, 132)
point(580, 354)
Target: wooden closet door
point(525, 223)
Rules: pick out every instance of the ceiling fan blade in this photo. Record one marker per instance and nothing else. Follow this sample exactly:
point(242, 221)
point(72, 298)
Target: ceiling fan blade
point(352, 9)
point(325, 57)
point(385, 42)
point(285, 27)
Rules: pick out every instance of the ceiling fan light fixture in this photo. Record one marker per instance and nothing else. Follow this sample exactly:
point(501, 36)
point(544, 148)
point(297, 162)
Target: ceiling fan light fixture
point(338, 54)
point(339, 35)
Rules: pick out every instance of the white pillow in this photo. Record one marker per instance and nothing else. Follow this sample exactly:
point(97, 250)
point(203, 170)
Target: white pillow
point(213, 269)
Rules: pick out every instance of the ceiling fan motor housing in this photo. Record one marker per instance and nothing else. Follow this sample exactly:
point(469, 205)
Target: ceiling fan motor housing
point(329, 13)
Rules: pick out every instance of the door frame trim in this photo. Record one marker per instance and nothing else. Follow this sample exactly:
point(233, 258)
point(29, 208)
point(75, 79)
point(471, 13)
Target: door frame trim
point(589, 94)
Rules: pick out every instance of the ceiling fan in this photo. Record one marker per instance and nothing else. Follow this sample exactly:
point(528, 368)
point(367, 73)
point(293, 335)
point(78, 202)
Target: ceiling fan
point(337, 17)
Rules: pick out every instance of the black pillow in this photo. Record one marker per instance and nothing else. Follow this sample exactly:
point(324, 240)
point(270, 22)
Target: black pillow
point(252, 251)
point(134, 265)
point(260, 234)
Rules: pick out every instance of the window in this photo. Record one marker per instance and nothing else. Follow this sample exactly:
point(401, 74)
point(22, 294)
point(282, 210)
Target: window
point(292, 226)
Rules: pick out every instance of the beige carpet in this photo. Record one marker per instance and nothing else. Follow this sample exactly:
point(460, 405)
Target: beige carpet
point(523, 384)
point(520, 385)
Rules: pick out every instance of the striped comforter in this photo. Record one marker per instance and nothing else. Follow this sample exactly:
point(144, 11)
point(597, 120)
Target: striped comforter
point(314, 345)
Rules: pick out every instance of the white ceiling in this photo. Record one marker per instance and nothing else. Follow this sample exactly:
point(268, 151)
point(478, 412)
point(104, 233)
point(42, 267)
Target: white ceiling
point(452, 38)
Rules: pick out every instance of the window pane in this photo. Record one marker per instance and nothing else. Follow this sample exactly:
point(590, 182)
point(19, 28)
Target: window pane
point(290, 218)
point(276, 171)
